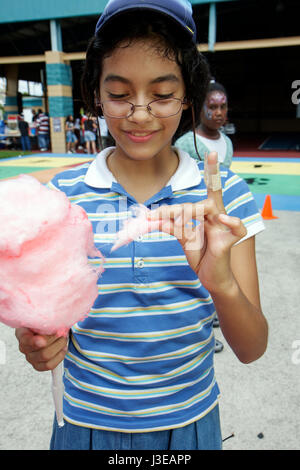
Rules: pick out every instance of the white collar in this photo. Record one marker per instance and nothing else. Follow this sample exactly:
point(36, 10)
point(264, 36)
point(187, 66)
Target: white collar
point(186, 175)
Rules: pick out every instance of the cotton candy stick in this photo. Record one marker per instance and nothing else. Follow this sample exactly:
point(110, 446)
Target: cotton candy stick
point(58, 392)
point(46, 281)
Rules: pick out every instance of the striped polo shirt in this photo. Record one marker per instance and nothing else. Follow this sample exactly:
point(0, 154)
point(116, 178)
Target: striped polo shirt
point(143, 358)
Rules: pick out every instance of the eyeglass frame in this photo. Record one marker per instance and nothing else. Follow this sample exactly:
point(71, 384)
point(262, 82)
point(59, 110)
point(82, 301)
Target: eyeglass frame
point(147, 106)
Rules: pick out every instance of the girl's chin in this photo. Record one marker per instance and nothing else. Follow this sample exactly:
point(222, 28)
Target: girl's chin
point(140, 153)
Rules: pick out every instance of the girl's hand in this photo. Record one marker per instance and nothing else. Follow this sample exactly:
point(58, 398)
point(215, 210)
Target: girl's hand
point(206, 245)
point(229, 275)
point(42, 352)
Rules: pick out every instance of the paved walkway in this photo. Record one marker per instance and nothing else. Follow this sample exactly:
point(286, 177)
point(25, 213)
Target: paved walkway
point(263, 397)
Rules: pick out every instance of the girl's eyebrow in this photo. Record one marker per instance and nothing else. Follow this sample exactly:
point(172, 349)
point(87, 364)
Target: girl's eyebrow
point(115, 78)
point(164, 78)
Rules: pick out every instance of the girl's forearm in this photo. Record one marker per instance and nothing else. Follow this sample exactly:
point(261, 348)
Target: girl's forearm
point(242, 323)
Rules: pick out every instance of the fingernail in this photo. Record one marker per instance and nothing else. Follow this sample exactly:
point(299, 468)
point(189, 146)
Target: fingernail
point(40, 342)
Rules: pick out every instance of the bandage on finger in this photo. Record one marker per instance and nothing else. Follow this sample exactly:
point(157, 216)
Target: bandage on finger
point(212, 177)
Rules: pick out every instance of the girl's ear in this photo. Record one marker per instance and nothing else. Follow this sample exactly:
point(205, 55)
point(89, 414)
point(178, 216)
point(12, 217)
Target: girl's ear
point(97, 101)
point(186, 104)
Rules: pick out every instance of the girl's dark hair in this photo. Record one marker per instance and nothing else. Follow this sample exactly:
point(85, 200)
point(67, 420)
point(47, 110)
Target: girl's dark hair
point(216, 86)
point(171, 42)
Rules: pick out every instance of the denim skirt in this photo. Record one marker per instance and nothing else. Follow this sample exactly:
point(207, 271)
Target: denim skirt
point(204, 434)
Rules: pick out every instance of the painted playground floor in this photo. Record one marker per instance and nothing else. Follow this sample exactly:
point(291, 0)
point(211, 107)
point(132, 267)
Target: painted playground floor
point(42, 166)
point(276, 176)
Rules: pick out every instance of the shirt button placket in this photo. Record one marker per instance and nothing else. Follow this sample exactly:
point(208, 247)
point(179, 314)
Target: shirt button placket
point(140, 263)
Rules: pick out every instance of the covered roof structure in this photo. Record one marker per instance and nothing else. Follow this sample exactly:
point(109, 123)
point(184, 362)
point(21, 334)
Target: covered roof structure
point(252, 47)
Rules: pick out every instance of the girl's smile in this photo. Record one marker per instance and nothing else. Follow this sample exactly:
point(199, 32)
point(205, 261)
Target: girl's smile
point(140, 137)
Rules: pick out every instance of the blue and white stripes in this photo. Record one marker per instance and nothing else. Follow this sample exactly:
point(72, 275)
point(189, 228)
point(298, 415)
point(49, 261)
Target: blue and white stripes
point(143, 359)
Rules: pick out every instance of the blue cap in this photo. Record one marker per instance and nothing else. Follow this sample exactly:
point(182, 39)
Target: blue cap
point(179, 10)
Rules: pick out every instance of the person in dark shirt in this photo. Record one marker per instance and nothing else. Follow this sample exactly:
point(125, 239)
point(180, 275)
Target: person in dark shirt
point(24, 130)
point(90, 128)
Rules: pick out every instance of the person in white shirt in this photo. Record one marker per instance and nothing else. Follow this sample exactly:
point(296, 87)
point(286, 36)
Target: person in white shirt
point(208, 135)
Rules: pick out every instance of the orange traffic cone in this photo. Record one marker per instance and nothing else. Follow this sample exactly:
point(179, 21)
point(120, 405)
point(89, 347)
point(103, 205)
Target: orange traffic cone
point(267, 212)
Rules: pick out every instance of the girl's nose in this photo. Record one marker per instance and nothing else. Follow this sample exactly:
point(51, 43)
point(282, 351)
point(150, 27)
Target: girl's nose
point(140, 114)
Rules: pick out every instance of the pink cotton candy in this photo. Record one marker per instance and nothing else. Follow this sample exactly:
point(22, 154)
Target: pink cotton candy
point(46, 282)
point(135, 227)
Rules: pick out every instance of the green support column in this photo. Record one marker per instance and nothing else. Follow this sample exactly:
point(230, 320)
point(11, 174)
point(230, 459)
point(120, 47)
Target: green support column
point(56, 37)
point(60, 99)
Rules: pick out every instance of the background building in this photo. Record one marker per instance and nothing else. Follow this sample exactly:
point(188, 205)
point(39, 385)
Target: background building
point(252, 47)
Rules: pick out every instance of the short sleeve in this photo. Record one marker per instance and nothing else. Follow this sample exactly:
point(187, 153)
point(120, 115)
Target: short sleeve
point(239, 202)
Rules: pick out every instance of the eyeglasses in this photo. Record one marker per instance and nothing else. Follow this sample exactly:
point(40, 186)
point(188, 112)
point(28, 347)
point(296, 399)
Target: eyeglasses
point(161, 108)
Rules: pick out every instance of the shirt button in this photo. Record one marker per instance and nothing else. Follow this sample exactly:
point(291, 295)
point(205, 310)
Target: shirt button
point(140, 263)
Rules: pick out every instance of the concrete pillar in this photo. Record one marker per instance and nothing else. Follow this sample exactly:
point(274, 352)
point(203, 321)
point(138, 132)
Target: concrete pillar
point(60, 100)
point(212, 27)
point(56, 36)
point(11, 99)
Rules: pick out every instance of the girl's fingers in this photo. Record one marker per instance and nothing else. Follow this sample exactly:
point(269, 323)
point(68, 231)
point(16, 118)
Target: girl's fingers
point(177, 219)
point(190, 236)
point(212, 177)
point(181, 213)
point(185, 216)
point(51, 363)
point(211, 171)
point(235, 225)
point(30, 341)
point(47, 357)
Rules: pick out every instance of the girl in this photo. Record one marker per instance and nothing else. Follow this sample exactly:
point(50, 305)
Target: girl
point(208, 135)
point(89, 130)
point(139, 370)
point(70, 134)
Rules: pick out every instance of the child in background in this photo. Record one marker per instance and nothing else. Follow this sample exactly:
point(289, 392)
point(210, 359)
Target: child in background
point(77, 132)
point(208, 135)
point(70, 134)
point(90, 128)
point(139, 370)
point(43, 130)
point(24, 131)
